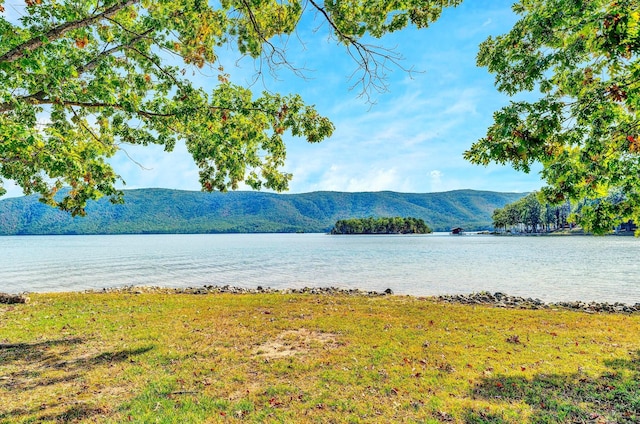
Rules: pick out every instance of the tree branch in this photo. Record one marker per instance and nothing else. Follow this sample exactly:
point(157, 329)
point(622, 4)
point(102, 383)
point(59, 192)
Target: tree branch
point(89, 66)
point(143, 113)
point(104, 105)
point(277, 57)
point(156, 64)
point(370, 59)
point(19, 51)
point(94, 62)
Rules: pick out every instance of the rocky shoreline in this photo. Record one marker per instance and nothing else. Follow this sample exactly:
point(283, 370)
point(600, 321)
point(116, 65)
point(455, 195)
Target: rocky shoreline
point(208, 289)
point(502, 300)
point(499, 300)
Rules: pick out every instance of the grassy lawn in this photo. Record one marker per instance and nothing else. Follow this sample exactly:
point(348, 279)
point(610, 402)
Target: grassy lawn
point(170, 358)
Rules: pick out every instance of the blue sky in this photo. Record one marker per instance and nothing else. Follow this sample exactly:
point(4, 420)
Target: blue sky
point(413, 137)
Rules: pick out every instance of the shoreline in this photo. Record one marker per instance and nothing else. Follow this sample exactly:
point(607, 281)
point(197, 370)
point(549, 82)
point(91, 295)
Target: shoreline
point(483, 298)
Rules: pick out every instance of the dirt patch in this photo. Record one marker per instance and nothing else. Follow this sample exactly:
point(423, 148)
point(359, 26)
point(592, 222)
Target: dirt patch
point(296, 342)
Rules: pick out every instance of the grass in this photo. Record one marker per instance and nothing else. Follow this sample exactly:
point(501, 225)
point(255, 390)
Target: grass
point(169, 358)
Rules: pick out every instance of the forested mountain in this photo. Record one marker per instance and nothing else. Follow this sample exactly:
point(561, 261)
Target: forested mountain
point(174, 211)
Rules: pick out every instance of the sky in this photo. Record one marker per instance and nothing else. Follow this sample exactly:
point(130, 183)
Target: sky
point(409, 139)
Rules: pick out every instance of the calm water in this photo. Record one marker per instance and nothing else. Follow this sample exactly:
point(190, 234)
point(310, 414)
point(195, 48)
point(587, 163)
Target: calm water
point(549, 268)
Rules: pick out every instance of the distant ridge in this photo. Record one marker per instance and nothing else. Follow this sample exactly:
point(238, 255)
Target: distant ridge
point(174, 211)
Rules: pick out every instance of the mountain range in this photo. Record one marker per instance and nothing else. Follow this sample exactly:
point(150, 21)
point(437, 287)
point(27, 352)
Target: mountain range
point(176, 211)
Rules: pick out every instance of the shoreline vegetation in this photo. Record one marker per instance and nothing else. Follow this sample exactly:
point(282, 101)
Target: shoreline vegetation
point(151, 354)
point(578, 232)
point(381, 225)
point(530, 216)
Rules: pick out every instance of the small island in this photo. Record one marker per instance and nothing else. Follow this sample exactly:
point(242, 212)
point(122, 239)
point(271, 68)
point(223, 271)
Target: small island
point(382, 225)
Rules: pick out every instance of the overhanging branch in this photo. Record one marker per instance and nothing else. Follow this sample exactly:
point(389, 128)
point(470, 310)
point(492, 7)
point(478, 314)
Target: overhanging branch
point(19, 51)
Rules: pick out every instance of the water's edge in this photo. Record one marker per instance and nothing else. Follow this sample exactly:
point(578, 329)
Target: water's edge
point(498, 299)
point(553, 269)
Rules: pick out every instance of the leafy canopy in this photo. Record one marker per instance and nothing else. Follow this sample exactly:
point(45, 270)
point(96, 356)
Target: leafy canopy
point(582, 57)
point(83, 78)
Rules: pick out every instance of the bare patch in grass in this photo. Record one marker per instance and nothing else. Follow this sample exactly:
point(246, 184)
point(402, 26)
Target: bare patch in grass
point(296, 342)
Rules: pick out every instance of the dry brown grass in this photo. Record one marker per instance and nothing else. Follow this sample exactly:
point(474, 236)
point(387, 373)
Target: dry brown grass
point(298, 342)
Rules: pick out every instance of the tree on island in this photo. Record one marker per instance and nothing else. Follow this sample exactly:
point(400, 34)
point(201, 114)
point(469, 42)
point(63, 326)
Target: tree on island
point(382, 225)
point(582, 57)
point(82, 78)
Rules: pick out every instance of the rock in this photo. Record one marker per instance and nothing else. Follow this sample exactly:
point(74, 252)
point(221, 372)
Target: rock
point(13, 298)
point(502, 300)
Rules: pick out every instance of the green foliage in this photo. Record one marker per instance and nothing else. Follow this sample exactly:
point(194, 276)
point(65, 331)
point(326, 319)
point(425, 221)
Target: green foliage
point(532, 214)
point(172, 211)
point(82, 78)
point(382, 225)
point(582, 57)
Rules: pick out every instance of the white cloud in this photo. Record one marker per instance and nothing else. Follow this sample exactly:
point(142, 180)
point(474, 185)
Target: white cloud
point(436, 175)
point(436, 180)
point(357, 179)
point(465, 104)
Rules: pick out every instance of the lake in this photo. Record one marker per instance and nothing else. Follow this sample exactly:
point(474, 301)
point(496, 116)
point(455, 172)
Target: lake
point(548, 268)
